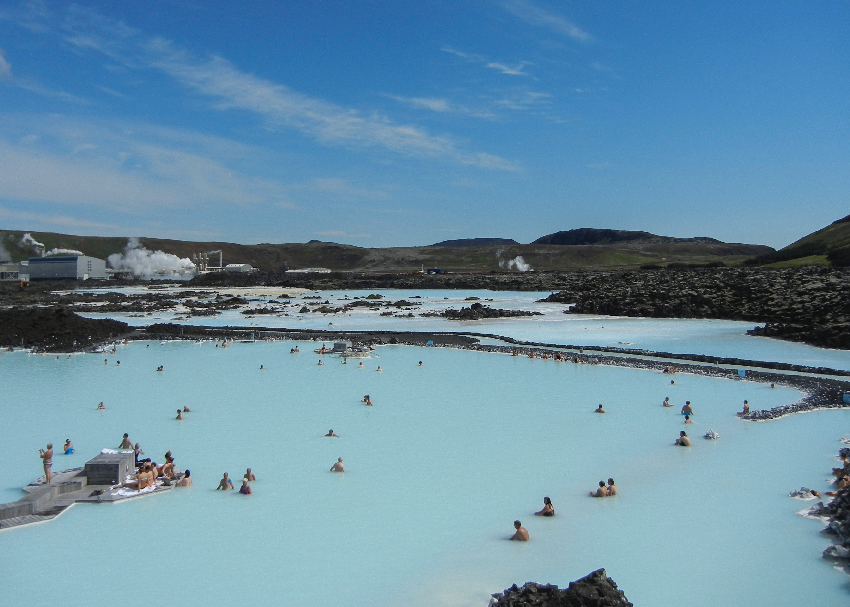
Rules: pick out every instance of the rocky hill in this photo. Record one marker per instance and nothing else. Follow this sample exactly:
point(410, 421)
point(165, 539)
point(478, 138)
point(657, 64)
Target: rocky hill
point(475, 258)
point(827, 245)
point(586, 236)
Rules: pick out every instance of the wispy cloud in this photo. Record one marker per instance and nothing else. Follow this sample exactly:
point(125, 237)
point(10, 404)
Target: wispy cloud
point(277, 105)
point(444, 106)
point(511, 71)
point(5, 67)
point(539, 17)
point(43, 91)
point(515, 70)
point(61, 221)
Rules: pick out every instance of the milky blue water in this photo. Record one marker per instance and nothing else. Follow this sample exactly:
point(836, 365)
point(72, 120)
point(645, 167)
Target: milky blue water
point(451, 453)
point(684, 336)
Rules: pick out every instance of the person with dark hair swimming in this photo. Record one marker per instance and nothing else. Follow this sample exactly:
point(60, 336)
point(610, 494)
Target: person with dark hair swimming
point(601, 492)
point(68, 447)
point(683, 440)
point(548, 508)
point(521, 534)
point(612, 488)
point(186, 480)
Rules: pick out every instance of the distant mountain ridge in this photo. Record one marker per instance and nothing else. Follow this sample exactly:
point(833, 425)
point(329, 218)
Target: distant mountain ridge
point(474, 242)
point(588, 236)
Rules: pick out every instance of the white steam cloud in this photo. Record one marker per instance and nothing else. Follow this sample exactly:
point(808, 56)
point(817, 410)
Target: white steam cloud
point(28, 241)
point(516, 263)
point(141, 263)
point(62, 252)
point(4, 253)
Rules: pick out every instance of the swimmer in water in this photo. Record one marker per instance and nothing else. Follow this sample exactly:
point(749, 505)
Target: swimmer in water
point(666, 402)
point(338, 467)
point(521, 534)
point(361, 365)
point(68, 447)
point(331, 433)
point(672, 382)
point(612, 488)
point(245, 489)
point(225, 484)
point(599, 409)
point(548, 508)
point(367, 401)
point(261, 367)
point(601, 492)
point(125, 442)
point(186, 409)
point(186, 480)
point(101, 405)
point(420, 363)
point(320, 362)
point(683, 440)
point(249, 476)
point(688, 419)
point(379, 368)
point(687, 409)
point(179, 413)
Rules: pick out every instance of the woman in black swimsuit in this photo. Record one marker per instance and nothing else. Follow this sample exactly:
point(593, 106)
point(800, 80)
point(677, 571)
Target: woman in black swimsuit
point(548, 508)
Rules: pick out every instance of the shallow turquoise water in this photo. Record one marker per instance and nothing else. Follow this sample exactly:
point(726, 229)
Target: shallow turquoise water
point(723, 338)
point(451, 453)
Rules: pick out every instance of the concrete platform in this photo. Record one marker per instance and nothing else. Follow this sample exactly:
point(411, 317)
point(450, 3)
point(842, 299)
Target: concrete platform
point(44, 502)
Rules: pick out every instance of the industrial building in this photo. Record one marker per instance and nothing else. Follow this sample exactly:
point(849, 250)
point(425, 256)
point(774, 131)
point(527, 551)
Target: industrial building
point(239, 268)
point(70, 267)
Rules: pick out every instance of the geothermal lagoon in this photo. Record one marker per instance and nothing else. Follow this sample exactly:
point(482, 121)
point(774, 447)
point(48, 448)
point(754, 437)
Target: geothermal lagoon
point(451, 453)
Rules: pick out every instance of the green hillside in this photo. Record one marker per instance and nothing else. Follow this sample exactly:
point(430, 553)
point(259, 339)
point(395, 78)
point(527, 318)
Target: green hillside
point(828, 245)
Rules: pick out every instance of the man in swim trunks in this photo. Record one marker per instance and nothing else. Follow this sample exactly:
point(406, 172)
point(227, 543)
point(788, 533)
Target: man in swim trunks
point(47, 462)
point(687, 410)
point(612, 488)
point(225, 484)
point(521, 534)
point(125, 442)
point(338, 467)
point(601, 492)
point(683, 440)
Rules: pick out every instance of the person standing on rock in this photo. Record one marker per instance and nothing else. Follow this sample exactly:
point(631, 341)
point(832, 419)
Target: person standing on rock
point(521, 534)
point(47, 462)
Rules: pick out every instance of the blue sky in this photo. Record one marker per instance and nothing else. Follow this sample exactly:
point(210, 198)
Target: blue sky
point(389, 123)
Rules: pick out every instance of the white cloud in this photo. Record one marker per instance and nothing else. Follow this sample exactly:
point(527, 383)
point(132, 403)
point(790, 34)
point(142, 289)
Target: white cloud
point(39, 89)
point(61, 221)
point(538, 17)
point(511, 71)
point(278, 105)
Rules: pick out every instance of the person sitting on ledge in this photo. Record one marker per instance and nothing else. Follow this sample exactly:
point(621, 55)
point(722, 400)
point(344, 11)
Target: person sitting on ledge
point(521, 534)
point(331, 433)
point(145, 478)
point(746, 409)
point(245, 489)
point(225, 484)
point(338, 467)
point(601, 492)
point(687, 409)
point(186, 480)
point(683, 440)
point(548, 508)
point(68, 447)
point(599, 409)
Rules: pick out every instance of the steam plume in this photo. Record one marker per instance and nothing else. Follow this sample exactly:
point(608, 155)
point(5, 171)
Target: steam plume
point(62, 252)
point(517, 262)
point(143, 263)
point(28, 241)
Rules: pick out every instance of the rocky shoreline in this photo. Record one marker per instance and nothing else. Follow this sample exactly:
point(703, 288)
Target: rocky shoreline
point(810, 305)
point(593, 590)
